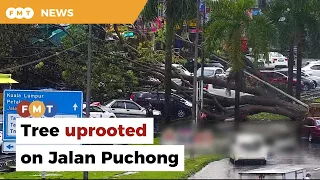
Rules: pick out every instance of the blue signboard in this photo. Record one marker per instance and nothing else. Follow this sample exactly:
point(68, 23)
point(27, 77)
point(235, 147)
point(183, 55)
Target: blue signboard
point(63, 104)
point(8, 147)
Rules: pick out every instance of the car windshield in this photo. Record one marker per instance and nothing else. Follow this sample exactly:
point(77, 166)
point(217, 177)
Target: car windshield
point(208, 72)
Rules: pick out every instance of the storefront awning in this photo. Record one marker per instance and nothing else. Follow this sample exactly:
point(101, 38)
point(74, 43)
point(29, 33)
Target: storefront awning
point(6, 79)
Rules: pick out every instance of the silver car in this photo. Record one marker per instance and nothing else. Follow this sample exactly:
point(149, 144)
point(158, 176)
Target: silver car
point(128, 108)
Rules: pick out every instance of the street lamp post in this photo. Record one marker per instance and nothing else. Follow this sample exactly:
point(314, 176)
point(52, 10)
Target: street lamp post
point(89, 68)
point(203, 57)
point(195, 80)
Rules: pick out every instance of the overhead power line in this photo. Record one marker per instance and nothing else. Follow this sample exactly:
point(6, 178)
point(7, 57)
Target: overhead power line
point(41, 59)
point(20, 57)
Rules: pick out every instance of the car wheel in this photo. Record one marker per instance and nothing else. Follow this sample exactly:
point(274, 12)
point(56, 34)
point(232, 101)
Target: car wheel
point(112, 117)
point(315, 84)
point(181, 113)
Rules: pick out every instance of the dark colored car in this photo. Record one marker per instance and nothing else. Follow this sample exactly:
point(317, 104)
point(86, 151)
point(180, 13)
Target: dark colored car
point(180, 107)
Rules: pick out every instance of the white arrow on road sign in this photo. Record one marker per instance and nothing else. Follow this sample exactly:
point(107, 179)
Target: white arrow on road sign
point(8, 147)
point(75, 106)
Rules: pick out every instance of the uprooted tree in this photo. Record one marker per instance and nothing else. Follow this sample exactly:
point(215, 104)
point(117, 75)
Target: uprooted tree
point(260, 98)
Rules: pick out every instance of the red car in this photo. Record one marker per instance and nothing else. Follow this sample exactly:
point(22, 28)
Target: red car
point(311, 128)
point(274, 77)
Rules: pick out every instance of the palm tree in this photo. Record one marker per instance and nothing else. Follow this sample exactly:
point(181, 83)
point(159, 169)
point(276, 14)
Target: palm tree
point(298, 22)
point(176, 11)
point(229, 23)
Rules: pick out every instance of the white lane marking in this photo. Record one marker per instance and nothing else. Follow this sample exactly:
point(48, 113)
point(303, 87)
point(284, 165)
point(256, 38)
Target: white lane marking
point(316, 169)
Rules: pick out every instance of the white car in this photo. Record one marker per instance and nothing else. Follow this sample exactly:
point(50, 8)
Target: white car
point(249, 147)
point(312, 68)
point(228, 72)
point(182, 70)
point(212, 72)
point(223, 92)
point(128, 108)
point(276, 60)
point(97, 112)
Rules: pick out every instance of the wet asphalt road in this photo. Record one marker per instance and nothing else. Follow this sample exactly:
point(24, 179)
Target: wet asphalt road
point(308, 157)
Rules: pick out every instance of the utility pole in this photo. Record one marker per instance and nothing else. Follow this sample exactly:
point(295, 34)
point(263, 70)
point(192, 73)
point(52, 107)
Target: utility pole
point(89, 68)
point(203, 57)
point(195, 81)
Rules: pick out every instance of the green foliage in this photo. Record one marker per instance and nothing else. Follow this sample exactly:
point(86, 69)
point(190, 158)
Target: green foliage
point(39, 65)
point(229, 22)
point(110, 77)
point(148, 55)
point(300, 20)
point(268, 117)
point(13, 38)
point(260, 33)
point(176, 11)
point(161, 34)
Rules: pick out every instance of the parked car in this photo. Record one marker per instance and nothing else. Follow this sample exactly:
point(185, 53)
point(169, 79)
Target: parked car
point(182, 70)
point(228, 72)
point(180, 107)
point(260, 63)
point(128, 108)
point(309, 83)
point(315, 79)
point(276, 60)
point(281, 79)
point(212, 72)
point(175, 80)
point(214, 63)
point(312, 68)
point(97, 112)
point(248, 147)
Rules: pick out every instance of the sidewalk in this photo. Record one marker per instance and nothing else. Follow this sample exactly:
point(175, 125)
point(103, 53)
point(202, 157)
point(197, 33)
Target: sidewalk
point(214, 170)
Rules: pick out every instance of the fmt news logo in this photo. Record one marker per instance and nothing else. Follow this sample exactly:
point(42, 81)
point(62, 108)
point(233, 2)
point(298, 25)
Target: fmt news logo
point(37, 109)
point(19, 13)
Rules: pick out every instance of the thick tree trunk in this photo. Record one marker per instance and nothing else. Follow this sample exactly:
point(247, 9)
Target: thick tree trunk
point(257, 103)
point(299, 66)
point(168, 68)
point(237, 116)
point(290, 70)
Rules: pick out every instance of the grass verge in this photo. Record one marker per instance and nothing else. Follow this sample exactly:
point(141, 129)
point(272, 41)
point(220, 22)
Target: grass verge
point(268, 116)
point(191, 167)
point(317, 100)
point(58, 175)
